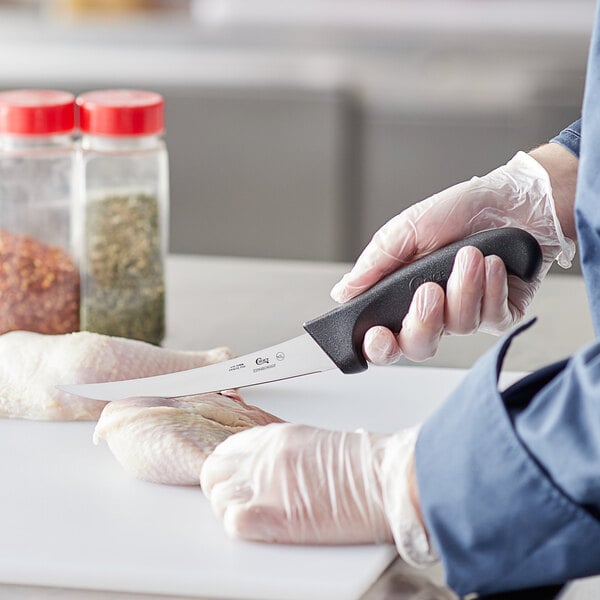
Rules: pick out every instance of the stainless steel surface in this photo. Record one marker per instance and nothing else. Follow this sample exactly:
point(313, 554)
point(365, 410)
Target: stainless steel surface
point(402, 582)
point(584, 589)
point(293, 358)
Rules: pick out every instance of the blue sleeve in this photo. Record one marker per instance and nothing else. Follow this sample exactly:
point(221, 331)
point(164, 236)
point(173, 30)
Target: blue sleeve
point(509, 483)
point(570, 138)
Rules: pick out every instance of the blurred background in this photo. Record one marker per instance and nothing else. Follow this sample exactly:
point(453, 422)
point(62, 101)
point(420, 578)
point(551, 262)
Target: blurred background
point(295, 129)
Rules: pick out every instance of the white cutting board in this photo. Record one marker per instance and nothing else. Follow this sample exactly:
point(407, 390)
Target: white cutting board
point(70, 517)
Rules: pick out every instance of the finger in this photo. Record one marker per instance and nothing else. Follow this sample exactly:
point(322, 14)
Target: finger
point(215, 470)
point(464, 292)
point(393, 245)
point(257, 523)
point(227, 456)
point(380, 346)
point(495, 313)
point(270, 523)
point(520, 295)
point(423, 326)
point(228, 494)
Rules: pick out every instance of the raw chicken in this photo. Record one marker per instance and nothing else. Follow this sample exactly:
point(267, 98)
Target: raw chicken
point(167, 440)
point(32, 364)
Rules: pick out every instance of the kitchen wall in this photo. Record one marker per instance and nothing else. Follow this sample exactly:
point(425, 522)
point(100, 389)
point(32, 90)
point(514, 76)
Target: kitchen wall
point(296, 132)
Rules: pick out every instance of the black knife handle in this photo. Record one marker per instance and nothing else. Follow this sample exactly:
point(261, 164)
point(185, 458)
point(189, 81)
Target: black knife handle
point(341, 331)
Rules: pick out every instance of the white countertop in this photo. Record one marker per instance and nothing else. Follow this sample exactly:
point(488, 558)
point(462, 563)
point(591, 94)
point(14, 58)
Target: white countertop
point(249, 304)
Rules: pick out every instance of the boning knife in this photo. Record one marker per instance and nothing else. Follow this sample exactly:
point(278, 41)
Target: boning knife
point(333, 340)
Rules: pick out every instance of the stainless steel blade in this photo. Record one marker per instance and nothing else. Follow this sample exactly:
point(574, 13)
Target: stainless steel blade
point(295, 357)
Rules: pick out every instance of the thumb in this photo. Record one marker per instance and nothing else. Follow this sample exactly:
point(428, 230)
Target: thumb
point(391, 247)
point(415, 232)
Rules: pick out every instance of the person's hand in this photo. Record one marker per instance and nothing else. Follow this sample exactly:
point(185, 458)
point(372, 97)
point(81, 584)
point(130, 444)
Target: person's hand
point(479, 296)
point(296, 484)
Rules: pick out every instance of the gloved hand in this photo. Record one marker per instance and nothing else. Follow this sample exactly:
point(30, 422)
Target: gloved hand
point(478, 294)
point(297, 484)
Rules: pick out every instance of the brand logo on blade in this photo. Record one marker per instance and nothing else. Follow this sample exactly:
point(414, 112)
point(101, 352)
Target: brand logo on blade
point(262, 361)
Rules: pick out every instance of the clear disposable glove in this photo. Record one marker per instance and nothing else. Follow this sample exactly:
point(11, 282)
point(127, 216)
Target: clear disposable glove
point(478, 294)
point(296, 484)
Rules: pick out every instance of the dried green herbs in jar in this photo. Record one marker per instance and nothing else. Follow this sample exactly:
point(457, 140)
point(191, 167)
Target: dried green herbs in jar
point(123, 287)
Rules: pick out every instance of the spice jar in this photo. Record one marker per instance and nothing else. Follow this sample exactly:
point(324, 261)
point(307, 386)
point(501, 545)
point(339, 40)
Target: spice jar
point(121, 214)
point(39, 281)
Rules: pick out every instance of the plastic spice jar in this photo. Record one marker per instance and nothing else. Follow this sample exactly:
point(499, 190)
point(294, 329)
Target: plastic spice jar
point(122, 213)
point(39, 282)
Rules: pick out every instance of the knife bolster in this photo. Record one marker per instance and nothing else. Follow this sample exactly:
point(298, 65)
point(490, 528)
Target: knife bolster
point(336, 334)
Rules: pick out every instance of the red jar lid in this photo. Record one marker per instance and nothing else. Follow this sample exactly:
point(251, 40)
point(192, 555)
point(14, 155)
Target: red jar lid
point(121, 112)
point(36, 112)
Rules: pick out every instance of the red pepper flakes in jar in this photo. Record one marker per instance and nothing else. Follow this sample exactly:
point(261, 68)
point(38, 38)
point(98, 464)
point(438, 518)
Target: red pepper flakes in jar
point(39, 281)
point(39, 286)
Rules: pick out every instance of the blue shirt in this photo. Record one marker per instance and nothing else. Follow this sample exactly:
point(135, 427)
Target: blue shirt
point(509, 482)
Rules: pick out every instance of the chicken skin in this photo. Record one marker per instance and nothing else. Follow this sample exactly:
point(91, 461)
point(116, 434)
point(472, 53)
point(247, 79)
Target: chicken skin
point(167, 440)
point(33, 364)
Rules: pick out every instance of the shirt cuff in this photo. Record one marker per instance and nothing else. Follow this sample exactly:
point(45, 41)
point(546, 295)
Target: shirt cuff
point(570, 138)
point(496, 519)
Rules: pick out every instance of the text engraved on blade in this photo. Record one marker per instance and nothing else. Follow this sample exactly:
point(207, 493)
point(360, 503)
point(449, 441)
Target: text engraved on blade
point(264, 367)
